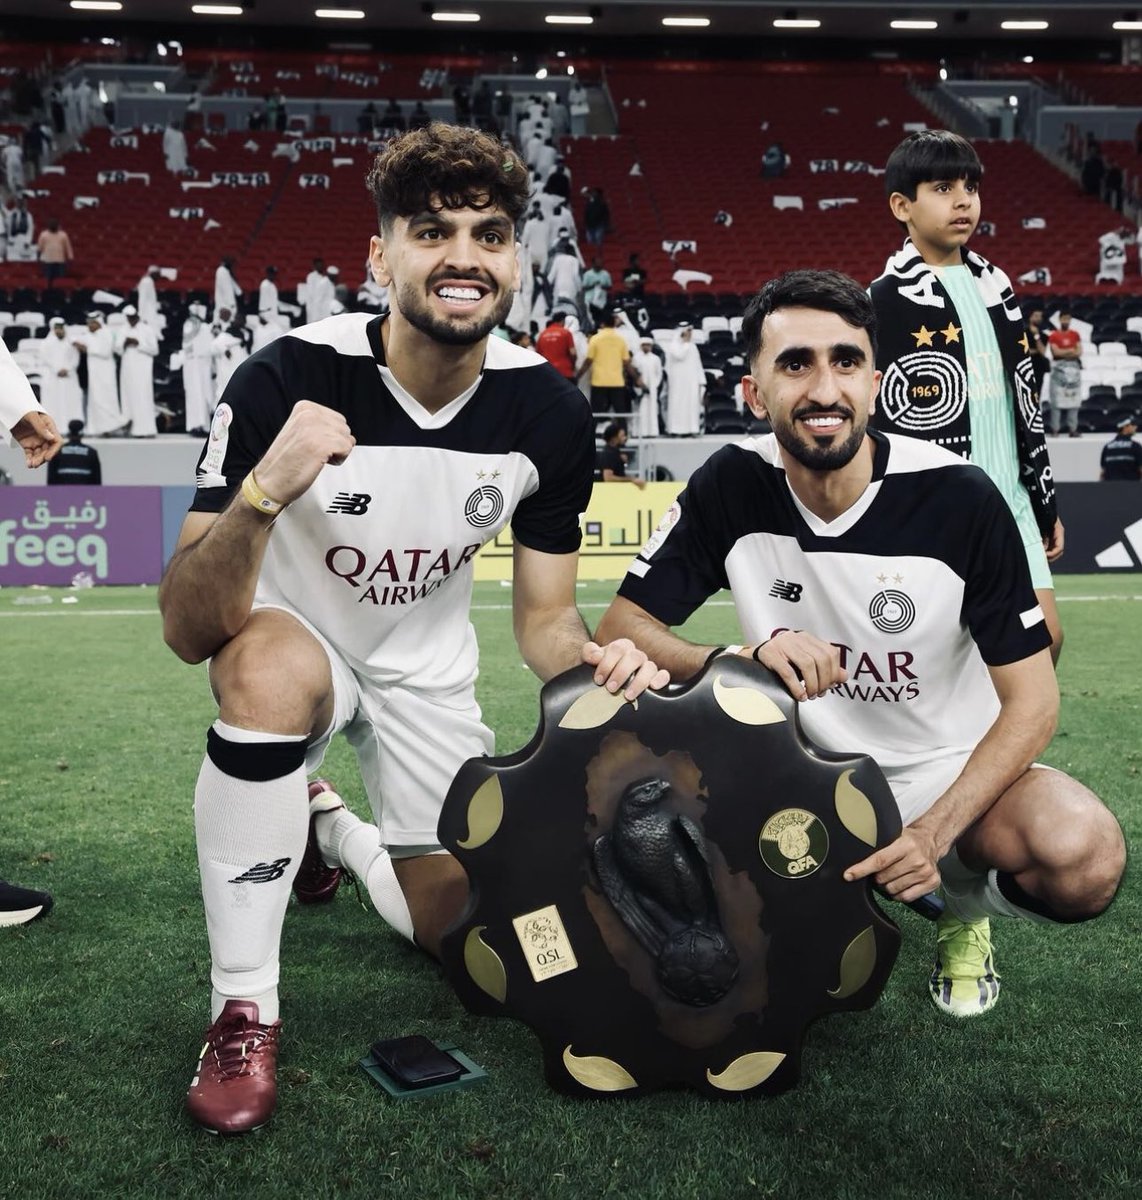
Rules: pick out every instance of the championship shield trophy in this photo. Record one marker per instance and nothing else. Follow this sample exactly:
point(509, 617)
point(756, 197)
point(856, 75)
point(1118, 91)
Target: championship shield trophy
point(656, 887)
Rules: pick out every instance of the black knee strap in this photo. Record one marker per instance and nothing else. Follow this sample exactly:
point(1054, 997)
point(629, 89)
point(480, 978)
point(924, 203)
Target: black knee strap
point(254, 761)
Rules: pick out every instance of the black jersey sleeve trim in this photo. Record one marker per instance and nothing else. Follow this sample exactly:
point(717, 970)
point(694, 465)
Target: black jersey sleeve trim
point(259, 404)
point(560, 442)
point(684, 562)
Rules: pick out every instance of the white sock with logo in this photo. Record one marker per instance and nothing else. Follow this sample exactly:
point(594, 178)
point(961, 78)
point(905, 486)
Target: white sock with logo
point(345, 840)
point(251, 832)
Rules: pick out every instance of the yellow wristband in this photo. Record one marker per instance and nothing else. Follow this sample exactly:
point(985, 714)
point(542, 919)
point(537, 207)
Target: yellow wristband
point(258, 498)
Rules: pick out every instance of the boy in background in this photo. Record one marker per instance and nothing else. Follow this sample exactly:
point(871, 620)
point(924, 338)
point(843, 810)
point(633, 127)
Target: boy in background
point(954, 349)
point(957, 370)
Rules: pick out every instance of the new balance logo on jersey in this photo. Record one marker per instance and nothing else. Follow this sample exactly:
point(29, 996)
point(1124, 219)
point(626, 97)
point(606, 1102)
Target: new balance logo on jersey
point(264, 872)
point(783, 590)
point(351, 504)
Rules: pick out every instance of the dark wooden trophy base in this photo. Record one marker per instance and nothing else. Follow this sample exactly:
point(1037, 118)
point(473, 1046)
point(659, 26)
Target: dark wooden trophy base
point(656, 888)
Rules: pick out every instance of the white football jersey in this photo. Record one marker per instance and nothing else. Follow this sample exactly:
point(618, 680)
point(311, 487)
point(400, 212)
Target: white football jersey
point(921, 584)
point(377, 553)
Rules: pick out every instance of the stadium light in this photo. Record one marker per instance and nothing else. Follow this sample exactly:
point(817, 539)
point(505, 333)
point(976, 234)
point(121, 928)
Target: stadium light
point(686, 22)
point(97, 5)
point(455, 16)
point(796, 23)
point(914, 24)
point(541, 73)
point(1132, 25)
point(566, 19)
point(340, 14)
point(217, 10)
point(1025, 25)
point(1028, 58)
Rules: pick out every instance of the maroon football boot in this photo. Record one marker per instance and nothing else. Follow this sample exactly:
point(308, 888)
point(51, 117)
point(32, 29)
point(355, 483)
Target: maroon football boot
point(315, 882)
point(234, 1089)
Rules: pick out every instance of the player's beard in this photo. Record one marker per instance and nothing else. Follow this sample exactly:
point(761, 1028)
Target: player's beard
point(810, 452)
point(450, 331)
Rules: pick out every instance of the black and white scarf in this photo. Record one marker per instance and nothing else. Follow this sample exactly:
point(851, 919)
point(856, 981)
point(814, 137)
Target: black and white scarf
point(924, 389)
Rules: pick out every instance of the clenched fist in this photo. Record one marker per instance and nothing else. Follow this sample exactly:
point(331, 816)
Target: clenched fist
point(312, 436)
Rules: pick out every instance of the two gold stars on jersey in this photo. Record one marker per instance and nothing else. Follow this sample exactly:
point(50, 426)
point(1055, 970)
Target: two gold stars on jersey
point(924, 335)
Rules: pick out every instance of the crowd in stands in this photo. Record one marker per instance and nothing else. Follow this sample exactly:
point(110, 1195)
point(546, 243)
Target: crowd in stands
point(601, 207)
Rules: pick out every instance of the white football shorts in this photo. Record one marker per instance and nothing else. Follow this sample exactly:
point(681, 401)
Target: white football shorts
point(409, 746)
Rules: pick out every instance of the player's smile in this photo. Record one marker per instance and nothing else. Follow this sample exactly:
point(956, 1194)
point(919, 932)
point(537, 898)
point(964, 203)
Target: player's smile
point(461, 295)
point(824, 423)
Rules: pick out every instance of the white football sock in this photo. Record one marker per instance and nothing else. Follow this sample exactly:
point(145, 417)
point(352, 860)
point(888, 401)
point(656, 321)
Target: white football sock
point(345, 840)
point(251, 835)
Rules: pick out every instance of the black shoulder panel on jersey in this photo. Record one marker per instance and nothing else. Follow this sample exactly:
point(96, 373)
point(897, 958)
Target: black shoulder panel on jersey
point(527, 407)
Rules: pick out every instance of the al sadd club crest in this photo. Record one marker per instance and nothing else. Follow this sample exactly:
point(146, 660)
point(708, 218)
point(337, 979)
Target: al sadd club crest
point(657, 889)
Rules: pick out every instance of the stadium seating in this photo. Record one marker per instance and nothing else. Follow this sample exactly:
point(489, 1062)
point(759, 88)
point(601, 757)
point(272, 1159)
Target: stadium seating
point(693, 167)
point(1116, 84)
point(684, 167)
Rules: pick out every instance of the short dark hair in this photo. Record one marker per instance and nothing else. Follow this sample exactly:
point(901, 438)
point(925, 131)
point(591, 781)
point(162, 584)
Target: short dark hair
point(829, 291)
point(613, 430)
point(446, 166)
point(927, 155)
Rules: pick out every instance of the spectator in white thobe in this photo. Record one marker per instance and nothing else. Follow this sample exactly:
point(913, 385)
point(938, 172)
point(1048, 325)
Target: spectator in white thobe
point(70, 109)
point(560, 118)
point(137, 346)
point(263, 332)
point(649, 368)
point(340, 291)
point(371, 295)
point(545, 158)
point(21, 227)
point(14, 166)
point(268, 296)
point(578, 107)
point(60, 393)
point(562, 225)
point(318, 298)
point(149, 312)
point(532, 146)
point(536, 236)
point(197, 370)
point(565, 277)
point(85, 98)
point(519, 315)
point(685, 382)
point(104, 415)
point(226, 289)
point(229, 352)
point(624, 326)
point(174, 148)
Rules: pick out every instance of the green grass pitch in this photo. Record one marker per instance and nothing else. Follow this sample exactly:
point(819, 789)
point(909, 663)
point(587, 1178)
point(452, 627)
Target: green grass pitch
point(102, 1003)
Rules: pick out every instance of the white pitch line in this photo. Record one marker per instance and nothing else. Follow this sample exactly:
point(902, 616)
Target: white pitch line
point(1088, 599)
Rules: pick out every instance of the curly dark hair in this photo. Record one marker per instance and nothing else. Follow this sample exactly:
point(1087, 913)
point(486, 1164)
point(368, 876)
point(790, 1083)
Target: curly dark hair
point(446, 166)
